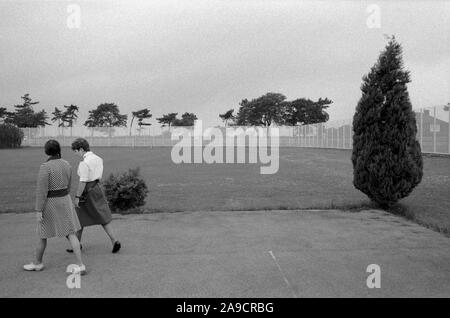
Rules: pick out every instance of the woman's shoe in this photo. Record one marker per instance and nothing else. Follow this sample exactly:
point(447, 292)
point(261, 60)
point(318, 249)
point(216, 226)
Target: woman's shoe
point(69, 250)
point(116, 247)
point(33, 267)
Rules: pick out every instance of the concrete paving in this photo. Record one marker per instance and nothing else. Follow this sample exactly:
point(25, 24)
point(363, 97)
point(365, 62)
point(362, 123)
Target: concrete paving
point(235, 254)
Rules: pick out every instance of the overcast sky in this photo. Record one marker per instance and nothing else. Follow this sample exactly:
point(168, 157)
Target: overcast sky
point(206, 56)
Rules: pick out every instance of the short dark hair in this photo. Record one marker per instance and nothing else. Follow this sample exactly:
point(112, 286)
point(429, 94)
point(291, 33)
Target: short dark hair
point(52, 148)
point(80, 143)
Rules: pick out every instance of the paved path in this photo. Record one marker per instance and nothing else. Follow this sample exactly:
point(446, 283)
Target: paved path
point(236, 254)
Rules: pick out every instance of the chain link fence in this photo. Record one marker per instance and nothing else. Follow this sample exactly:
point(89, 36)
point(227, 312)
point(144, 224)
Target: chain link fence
point(433, 133)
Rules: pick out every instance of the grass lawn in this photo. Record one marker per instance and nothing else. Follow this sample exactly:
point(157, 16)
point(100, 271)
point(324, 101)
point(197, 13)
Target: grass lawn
point(307, 179)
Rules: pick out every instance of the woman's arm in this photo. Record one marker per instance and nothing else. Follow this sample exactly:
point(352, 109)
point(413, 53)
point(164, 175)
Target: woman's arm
point(41, 189)
point(83, 173)
point(69, 186)
point(80, 189)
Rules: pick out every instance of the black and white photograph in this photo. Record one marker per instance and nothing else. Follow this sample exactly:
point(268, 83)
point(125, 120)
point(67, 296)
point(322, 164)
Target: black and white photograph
point(224, 154)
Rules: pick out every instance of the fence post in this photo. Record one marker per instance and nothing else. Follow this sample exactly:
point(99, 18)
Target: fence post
point(332, 137)
point(309, 135)
point(421, 128)
point(434, 129)
point(448, 127)
point(349, 132)
point(305, 140)
point(339, 136)
point(321, 135)
point(351, 135)
point(344, 142)
point(317, 136)
point(290, 138)
point(301, 135)
point(313, 138)
point(304, 136)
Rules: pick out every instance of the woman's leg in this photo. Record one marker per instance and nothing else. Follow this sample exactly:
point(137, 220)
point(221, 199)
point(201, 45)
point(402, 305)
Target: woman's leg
point(108, 229)
point(75, 247)
point(115, 243)
point(79, 234)
point(42, 244)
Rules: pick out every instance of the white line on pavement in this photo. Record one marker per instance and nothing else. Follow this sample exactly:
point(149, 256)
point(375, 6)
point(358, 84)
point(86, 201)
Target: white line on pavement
point(282, 274)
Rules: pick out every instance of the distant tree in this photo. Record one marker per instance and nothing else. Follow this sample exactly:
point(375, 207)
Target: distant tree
point(305, 111)
point(57, 117)
point(227, 116)
point(106, 115)
point(167, 119)
point(40, 119)
point(24, 113)
point(244, 113)
point(3, 114)
point(9, 118)
point(70, 116)
point(141, 115)
point(187, 119)
point(263, 110)
point(387, 160)
point(25, 116)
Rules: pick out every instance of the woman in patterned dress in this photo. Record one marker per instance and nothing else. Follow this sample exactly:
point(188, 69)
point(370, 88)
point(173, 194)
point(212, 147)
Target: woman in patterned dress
point(55, 212)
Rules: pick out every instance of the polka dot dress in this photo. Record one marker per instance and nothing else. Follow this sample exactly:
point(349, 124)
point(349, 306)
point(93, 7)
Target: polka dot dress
point(59, 216)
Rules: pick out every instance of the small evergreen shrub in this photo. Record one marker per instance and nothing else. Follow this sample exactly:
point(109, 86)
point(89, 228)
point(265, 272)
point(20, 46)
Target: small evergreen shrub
point(125, 191)
point(387, 159)
point(10, 136)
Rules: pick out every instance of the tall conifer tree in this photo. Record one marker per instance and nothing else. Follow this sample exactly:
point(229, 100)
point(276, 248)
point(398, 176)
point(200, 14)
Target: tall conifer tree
point(386, 157)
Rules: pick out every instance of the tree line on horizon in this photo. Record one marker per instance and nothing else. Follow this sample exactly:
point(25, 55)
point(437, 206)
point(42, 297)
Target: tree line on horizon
point(105, 115)
point(271, 108)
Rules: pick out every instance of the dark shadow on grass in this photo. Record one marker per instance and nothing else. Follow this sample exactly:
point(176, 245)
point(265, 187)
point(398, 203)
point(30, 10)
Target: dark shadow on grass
point(402, 210)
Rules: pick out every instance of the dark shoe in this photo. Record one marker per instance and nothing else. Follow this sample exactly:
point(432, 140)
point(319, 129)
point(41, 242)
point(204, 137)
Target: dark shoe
point(69, 250)
point(116, 247)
